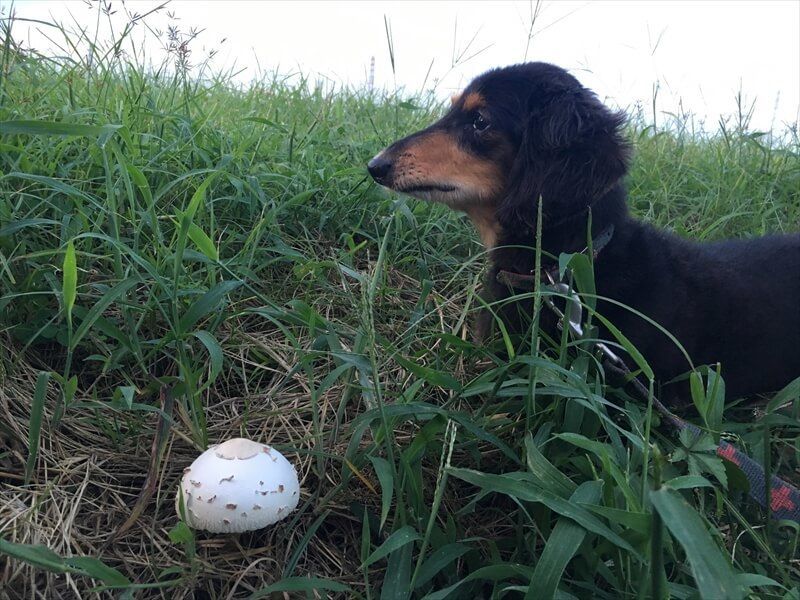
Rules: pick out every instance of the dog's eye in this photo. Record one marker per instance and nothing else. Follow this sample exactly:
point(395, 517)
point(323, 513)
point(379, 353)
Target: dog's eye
point(480, 124)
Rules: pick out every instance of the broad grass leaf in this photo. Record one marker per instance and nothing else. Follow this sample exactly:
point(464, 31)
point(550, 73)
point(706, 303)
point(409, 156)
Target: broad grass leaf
point(15, 226)
point(300, 198)
point(39, 556)
point(139, 179)
point(686, 482)
point(35, 422)
point(496, 572)
point(204, 243)
point(266, 122)
point(525, 491)
point(301, 584)
point(96, 569)
point(712, 572)
point(384, 471)
point(214, 353)
point(60, 186)
point(57, 128)
point(69, 285)
point(302, 545)
point(397, 581)
point(757, 580)
point(125, 393)
point(583, 272)
point(185, 220)
point(106, 300)
point(180, 533)
point(482, 434)
point(432, 376)
point(561, 546)
point(69, 387)
point(207, 303)
point(197, 199)
point(438, 560)
point(43, 557)
point(635, 521)
point(401, 537)
point(548, 476)
point(104, 326)
point(787, 394)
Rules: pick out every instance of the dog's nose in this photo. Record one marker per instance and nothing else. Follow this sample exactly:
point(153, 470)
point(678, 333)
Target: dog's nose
point(379, 168)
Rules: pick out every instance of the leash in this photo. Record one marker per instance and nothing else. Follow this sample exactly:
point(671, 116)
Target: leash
point(784, 498)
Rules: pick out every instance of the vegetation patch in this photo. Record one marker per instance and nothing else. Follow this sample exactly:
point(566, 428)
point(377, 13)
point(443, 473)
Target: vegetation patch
point(184, 261)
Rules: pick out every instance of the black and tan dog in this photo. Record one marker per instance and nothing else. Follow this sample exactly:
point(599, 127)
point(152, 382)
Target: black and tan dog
point(532, 131)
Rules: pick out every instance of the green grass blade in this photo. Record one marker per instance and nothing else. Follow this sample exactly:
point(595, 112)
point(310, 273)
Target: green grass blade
point(525, 490)
point(207, 303)
point(35, 423)
point(561, 546)
point(56, 128)
point(69, 286)
point(99, 308)
point(548, 476)
point(438, 560)
point(384, 472)
point(711, 570)
point(214, 352)
point(301, 584)
point(204, 243)
point(401, 537)
point(43, 557)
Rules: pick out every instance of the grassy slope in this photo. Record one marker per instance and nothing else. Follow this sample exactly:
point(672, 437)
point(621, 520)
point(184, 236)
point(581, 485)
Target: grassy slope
point(345, 344)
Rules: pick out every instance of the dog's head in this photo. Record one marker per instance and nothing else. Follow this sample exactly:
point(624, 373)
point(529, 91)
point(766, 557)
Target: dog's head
point(513, 135)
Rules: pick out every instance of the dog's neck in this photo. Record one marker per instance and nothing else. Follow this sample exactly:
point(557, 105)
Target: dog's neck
point(559, 234)
point(486, 224)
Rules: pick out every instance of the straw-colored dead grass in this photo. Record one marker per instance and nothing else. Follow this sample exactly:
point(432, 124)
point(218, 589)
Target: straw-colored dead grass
point(88, 478)
point(84, 488)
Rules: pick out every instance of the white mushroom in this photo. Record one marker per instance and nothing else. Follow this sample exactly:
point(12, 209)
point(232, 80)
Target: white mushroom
point(239, 485)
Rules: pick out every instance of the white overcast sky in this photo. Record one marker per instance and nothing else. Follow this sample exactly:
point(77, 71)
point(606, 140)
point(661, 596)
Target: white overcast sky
point(698, 53)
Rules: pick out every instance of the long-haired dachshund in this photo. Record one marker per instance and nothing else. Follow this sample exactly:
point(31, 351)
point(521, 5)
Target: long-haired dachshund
point(532, 132)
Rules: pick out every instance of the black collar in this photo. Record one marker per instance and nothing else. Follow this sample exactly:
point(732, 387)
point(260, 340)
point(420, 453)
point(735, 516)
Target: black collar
point(527, 281)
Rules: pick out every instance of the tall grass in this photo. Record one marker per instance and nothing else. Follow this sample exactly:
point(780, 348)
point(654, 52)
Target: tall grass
point(163, 232)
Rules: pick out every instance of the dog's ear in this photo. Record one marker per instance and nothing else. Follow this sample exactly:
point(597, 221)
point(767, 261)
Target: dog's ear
point(571, 152)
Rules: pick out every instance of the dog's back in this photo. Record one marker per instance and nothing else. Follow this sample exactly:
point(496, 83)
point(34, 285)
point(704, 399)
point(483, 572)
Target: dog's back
point(736, 302)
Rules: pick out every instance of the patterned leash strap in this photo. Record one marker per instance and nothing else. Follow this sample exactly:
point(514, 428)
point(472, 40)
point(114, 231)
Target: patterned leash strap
point(784, 498)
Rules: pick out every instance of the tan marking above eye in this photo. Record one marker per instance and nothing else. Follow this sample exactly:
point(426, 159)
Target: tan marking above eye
point(473, 101)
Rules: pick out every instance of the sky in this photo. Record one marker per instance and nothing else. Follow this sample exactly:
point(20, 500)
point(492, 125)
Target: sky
point(691, 56)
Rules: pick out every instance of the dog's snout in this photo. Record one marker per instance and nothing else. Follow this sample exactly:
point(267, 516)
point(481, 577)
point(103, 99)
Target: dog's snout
point(379, 167)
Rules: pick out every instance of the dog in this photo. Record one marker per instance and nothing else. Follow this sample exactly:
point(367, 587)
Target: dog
point(531, 133)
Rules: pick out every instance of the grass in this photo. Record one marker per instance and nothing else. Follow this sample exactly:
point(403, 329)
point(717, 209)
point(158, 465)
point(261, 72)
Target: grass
point(183, 261)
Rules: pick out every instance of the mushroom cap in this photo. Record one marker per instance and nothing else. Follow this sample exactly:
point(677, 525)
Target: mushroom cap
point(239, 485)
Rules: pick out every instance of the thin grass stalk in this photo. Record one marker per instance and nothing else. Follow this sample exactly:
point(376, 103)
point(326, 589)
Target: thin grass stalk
point(438, 493)
point(533, 371)
point(657, 578)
